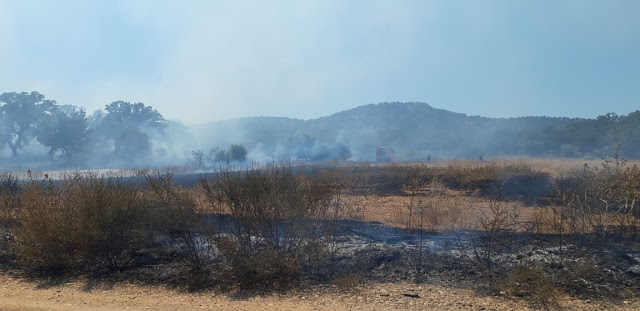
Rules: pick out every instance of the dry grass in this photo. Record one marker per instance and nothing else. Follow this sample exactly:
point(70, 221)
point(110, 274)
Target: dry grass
point(551, 166)
point(282, 217)
point(444, 213)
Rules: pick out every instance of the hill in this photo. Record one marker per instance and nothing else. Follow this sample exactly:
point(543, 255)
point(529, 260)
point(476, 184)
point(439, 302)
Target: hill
point(415, 130)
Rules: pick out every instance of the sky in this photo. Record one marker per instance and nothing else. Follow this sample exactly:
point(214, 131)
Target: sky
point(201, 61)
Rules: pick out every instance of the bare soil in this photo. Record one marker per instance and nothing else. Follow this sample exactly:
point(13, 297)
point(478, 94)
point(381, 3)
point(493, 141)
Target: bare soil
point(21, 295)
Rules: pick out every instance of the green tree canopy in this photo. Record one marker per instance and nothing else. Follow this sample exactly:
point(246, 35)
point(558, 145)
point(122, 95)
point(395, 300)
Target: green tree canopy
point(128, 126)
point(20, 114)
point(63, 130)
point(238, 153)
point(125, 114)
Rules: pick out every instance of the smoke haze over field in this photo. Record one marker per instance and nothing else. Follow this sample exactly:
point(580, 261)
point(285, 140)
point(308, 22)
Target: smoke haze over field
point(202, 61)
point(37, 132)
point(418, 132)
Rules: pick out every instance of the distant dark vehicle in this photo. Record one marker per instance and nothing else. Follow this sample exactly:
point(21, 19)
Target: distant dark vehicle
point(384, 154)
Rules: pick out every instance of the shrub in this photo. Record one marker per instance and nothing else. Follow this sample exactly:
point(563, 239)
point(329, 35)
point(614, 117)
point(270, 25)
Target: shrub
point(177, 216)
point(602, 200)
point(85, 222)
point(532, 283)
point(278, 222)
point(9, 207)
point(347, 282)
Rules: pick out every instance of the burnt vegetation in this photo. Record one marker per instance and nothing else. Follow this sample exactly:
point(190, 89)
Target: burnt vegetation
point(280, 226)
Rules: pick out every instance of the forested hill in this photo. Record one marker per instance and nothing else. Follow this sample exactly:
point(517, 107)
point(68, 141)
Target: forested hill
point(38, 132)
point(417, 130)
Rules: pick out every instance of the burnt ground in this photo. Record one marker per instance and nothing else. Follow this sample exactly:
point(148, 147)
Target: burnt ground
point(385, 254)
point(379, 254)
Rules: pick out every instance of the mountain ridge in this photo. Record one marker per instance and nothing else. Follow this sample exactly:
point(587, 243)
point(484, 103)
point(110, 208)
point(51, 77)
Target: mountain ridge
point(416, 130)
point(134, 134)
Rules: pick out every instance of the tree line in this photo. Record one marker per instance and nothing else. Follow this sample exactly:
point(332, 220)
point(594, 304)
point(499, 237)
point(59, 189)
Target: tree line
point(235, 153)
point(121, 133)
point(596, 138)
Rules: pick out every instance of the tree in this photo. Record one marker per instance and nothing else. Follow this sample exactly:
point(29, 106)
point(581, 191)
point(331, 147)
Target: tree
point(129, 126)
point(20, 113)
point(238, 153)
point(131, 142)
point(5, 138)
point(198, 158)
point(64, 130)
point(627, 136)
point(217, 155)
point(121, 113)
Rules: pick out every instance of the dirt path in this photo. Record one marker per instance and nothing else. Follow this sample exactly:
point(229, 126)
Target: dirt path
point(20, 295)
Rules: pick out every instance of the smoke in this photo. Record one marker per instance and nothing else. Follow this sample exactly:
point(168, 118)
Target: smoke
point(139, 146)
point(300, 148)
point(416, 132)
point(271, 139)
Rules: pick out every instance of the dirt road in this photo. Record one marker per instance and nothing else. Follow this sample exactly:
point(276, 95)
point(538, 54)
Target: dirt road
point(20, 295)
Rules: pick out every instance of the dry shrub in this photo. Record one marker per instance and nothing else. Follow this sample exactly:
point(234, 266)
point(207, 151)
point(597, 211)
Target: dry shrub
point(497, 223)
point(177, 216)
point(584, 278)
point(264, 267)
point(433, 208)
point(352, 190)
point(278, 217)
point(517, 179)
point(599, 203)
point(9, 207)
point(347, 282)
point(451, 213)
point(532, 283)
point(86, 222)
point(514, 180)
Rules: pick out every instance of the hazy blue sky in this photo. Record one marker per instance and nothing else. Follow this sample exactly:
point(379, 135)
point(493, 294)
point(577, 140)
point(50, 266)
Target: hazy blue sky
point(200, 61)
